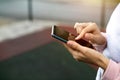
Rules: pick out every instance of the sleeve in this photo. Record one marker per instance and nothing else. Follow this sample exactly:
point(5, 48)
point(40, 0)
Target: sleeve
point(112, 72)
point(100, 48)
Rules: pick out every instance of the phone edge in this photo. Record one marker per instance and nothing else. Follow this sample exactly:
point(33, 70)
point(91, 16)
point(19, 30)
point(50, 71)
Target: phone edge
point(57, 37)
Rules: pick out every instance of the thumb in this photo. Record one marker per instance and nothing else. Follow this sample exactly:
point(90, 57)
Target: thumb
point(74, 45)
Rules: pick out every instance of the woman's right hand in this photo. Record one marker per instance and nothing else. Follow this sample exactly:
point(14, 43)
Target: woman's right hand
point(89, 32)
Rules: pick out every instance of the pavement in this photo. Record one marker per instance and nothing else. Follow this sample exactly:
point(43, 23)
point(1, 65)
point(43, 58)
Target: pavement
point(20, 28)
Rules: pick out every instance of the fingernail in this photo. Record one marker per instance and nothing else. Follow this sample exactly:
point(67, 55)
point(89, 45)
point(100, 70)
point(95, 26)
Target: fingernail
point(78, 37)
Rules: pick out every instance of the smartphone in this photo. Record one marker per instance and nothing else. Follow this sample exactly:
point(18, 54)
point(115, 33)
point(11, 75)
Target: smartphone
point(63, 35)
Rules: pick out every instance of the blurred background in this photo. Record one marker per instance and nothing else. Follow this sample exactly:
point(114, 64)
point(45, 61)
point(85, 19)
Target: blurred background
point(27, 51)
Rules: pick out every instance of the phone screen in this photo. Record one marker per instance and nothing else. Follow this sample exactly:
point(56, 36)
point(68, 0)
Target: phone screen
point(61, 34)
point(64, 36)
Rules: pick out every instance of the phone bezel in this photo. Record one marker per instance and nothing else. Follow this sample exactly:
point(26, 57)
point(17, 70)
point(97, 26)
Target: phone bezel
point(55, 36)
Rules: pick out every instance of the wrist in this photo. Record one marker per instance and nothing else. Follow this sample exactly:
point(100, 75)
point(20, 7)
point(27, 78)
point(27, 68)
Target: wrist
point(103, 62)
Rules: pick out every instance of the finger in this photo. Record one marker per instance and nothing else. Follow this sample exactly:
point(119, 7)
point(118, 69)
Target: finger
point(81, 34)
point(92, 27)
point(90, 37)
point(88, 29)
point(67, 47)
point(78, 37)
point(74, 45)
point(79, 27)
point(76, 54)
point(72, 51)
point(76, 25)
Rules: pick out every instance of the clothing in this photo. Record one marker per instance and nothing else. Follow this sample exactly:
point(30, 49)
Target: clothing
point(112, 51)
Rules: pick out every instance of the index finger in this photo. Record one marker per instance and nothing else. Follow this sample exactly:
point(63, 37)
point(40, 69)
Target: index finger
point(88, 29)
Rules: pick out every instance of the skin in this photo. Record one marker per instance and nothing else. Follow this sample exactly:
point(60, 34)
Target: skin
point(91, 33)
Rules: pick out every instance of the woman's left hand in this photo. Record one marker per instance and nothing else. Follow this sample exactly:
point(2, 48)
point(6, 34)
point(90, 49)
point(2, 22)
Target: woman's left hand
point(87, 55)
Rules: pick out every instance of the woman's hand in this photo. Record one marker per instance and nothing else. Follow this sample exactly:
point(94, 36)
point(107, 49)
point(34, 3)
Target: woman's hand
point(90, 32)
point(87, 55)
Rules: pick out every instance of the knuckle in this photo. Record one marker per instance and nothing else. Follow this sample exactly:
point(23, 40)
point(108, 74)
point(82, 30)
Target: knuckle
point(86, 51)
